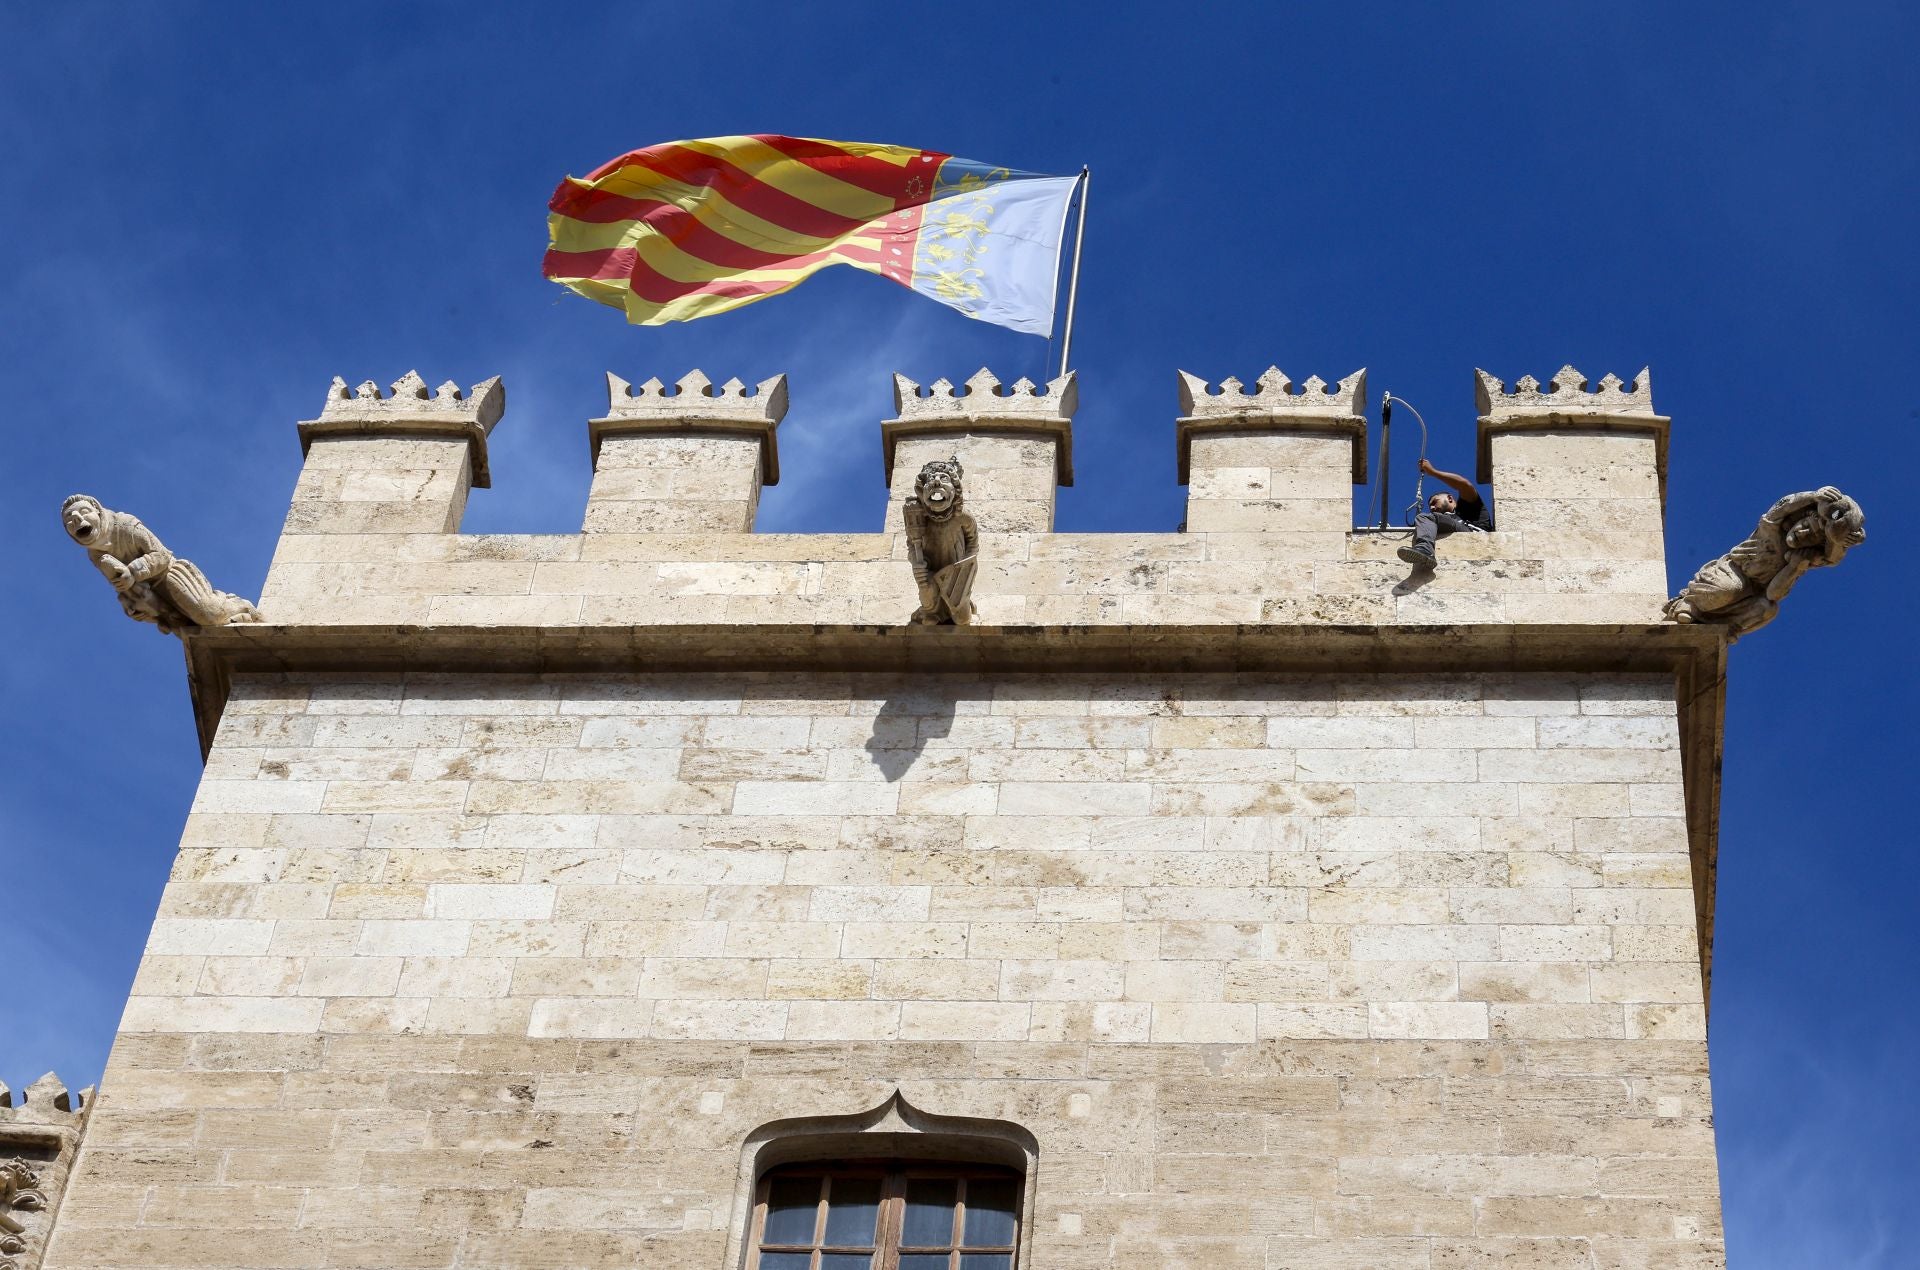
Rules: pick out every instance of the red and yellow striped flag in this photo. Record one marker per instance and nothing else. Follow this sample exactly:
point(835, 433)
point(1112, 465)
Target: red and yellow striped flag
point(689, 228)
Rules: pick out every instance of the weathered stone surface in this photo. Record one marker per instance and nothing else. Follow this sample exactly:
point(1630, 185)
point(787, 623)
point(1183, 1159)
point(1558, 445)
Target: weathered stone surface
point(1273, 395)
point(1578, 473)
point(409, 410)
point(1301, 574)
point(1268, 527)
point(1351, 957)
point(984, 397)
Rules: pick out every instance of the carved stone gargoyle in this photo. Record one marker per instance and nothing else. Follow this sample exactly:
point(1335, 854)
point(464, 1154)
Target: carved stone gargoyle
point(1743, 588)
point(19, 1192)
point(942, 546)
point(154, 584)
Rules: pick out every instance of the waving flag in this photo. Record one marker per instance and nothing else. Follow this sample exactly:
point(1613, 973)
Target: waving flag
point(687, 228)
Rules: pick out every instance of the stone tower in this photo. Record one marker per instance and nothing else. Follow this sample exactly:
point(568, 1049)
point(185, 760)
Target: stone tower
point(660, 896)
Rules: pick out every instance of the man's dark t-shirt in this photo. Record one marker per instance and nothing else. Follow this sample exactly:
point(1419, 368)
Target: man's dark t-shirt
point(1473, 510)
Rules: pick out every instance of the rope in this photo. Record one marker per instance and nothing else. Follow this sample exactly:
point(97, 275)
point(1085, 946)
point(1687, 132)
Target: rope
point(1420, 478)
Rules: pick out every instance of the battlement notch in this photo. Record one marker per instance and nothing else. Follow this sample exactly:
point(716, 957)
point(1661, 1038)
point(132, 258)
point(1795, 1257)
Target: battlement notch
point(1579, 469)
point(1568, 401)
point(688, 459)
point(1272, 460)
point(1273, 395)
point(1567, 394)
point(1015, 442)
point(402, 463)
point(409, 409)
point(1569, 405)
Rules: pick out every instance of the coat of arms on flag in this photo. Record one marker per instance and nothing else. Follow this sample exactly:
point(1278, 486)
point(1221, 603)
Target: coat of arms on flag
point(685, 229)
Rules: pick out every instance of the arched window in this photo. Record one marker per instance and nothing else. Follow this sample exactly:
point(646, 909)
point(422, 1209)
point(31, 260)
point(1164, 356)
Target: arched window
point(892, 1188)
point(886, 1215)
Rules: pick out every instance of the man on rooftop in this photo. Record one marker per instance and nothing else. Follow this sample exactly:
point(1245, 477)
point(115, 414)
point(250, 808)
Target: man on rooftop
point(1462, 511)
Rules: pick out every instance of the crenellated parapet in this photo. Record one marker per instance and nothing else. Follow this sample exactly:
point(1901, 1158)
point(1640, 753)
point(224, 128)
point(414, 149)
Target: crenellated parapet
point(688, 459)
point(984, 397)
point(409, 409)
point(40, 1132)
point(694, 396)
point(1571, 457)
point(1270, 466)
point(1272, 460)
point(1273, 395)
point(1567, 395)
point(1015, 442)
point(402, 463)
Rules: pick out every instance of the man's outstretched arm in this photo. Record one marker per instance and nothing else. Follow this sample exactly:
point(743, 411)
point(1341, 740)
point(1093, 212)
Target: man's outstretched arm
point(1460, 483)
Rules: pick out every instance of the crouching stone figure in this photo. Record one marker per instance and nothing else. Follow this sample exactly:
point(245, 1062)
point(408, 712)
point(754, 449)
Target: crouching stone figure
point(1743, 588)
point(154, 585)
point(942, 546)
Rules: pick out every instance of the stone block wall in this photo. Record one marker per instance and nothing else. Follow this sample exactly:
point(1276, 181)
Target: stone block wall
point(402, 463)
point(1278, 971)
point(1576, 481)
point(687, 462)
point(1555, 574)
point(1014, 443)
point(676, 485)
point(1010, 480)
point(1251, 482)
point(1272, 460)
point(460, 967)
point(384, 485)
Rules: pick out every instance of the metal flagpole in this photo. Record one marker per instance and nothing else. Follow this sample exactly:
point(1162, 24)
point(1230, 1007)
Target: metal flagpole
point(1073, 282)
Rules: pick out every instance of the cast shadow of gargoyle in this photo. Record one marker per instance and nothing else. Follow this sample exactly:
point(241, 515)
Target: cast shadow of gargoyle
point(909, 717)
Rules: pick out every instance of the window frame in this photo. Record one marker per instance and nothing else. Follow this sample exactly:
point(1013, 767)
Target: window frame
point(889, 1224)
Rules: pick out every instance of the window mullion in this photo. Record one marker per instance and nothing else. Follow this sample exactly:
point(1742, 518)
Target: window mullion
point(893, 1203)
point(820, 1221)
point(959, 1220)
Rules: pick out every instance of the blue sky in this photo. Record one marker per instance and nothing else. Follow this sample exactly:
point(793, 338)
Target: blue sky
point(209, 210)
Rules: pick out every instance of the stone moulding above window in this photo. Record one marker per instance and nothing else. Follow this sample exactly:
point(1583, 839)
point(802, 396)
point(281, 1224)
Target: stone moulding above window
point(896, 1130)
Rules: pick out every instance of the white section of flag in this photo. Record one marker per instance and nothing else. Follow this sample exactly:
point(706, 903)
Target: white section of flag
point(1002, 251)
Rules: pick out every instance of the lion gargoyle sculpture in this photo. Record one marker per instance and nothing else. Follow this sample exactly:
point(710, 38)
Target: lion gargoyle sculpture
point(154, 584)
point(1743, 588)
point(942, 546)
